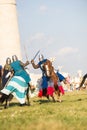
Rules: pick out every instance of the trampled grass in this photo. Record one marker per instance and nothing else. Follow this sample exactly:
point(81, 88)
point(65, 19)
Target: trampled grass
point(71, 114)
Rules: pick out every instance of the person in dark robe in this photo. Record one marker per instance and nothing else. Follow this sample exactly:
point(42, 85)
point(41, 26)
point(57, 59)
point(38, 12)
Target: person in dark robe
point(6, 72)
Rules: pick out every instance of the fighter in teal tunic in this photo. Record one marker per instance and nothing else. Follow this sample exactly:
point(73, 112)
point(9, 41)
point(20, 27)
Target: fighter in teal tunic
point(19, 70)
point(18, 84)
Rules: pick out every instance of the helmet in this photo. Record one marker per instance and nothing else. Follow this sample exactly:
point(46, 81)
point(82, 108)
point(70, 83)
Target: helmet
point(8, 61)
point(41, 57)
point(14, 58)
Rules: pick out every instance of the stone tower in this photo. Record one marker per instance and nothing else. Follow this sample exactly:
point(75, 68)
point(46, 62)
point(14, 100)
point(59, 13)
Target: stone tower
point(9, 33)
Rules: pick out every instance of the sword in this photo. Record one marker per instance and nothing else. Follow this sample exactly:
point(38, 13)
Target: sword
point(36, 55)
point(25, 52)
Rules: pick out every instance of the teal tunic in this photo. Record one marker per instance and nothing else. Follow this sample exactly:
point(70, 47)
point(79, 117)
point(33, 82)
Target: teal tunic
point(19, 71)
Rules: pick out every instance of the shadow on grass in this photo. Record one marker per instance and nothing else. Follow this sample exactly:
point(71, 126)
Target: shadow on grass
point(14, 104)
point(41, 101)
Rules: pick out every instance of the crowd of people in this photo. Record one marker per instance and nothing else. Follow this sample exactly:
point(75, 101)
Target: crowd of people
point(14, 80)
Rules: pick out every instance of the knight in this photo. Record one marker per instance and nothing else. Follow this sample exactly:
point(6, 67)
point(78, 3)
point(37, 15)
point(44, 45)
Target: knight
point(18, 83)
point(43, 65)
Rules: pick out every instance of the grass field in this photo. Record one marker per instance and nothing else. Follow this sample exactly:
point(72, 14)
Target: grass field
point(71, 114)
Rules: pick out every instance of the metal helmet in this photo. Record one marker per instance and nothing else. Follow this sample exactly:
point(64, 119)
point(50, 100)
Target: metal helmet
point(41, 57)
point(14, 58)
point(8, 61)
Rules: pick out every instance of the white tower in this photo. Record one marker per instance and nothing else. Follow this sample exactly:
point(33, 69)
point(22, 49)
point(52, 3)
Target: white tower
point(9, 33)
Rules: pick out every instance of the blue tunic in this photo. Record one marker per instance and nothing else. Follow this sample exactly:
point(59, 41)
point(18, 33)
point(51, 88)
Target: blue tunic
point(44, 82)
point(43, 61)
point(40, 65)
point(44, 77)
point(60, 76)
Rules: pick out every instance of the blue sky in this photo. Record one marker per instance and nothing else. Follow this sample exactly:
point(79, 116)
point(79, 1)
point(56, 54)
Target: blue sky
point(58, 28)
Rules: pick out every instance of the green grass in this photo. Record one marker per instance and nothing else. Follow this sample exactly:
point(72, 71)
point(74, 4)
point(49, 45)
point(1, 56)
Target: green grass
point(71, 114)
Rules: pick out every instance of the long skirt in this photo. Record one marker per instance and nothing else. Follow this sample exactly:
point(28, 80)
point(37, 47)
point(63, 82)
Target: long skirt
point(50, 90)
point(61, 89)
point(17, 87)
point(47, 91)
